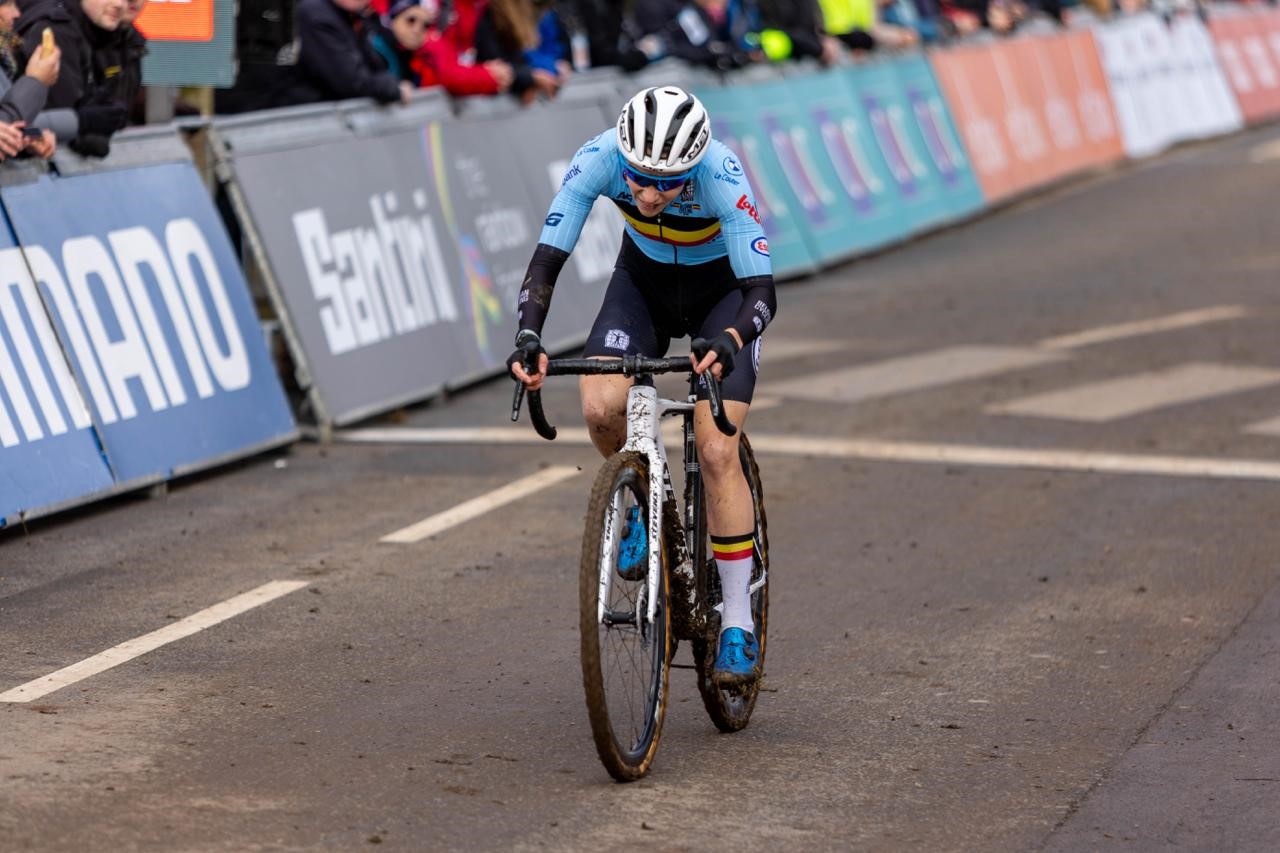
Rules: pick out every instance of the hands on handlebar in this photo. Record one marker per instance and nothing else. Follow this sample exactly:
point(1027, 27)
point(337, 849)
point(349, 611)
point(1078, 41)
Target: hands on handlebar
point(530, 366)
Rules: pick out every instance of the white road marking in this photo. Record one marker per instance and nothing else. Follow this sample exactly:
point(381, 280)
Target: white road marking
point(1001, 457)
point(1097, 402)
point(1271, 426)
point(456, 435)
point(1119, 331)
point(131, 649)
point(783, 349)
point(1013, 457)
point(477, 507)
point(910, 373)
point(1266, 151)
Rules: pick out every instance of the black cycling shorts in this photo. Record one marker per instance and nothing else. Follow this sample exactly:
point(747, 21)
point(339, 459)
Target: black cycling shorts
point(648, 303)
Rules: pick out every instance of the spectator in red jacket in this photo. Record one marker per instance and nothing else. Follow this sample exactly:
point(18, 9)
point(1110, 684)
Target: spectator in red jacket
point(449, 55)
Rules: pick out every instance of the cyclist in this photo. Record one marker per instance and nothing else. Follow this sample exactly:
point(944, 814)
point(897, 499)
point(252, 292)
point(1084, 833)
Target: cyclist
point(694, 261)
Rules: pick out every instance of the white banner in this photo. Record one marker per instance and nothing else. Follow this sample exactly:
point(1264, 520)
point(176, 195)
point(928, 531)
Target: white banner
point(1166, 82)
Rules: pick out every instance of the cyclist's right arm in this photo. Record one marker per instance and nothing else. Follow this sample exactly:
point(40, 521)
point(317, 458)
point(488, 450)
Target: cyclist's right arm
point(587, 178)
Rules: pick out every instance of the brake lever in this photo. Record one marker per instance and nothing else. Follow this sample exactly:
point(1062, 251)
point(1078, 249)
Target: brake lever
point(516, 401)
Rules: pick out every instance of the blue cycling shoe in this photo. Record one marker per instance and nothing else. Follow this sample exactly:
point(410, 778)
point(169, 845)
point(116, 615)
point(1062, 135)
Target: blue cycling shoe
point(738, 663)
point(633, 549)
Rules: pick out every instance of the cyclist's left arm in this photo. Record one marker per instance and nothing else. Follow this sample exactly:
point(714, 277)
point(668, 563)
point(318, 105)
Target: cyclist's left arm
point(735, 204)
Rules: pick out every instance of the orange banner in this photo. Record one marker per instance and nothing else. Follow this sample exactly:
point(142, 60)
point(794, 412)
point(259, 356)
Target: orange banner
point(177, 20)
point(1031, 109)
point(1249, 52)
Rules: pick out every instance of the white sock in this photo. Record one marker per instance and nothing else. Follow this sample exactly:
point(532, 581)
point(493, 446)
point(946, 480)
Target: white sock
point(734, 560)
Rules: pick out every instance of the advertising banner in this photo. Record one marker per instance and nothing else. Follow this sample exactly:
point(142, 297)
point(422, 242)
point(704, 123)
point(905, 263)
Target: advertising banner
point(369, 271)
point(946, 188)
point(891, 149)
point(49, 452)
point(1249, 50)
point(549, 140)
point(789, 129)
point(1165, 82)
point(749, 129)
point(1031, 109)
point(149, 305)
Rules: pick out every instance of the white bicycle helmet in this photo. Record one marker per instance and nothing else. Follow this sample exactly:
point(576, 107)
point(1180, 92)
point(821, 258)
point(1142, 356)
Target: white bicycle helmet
point(663, 131)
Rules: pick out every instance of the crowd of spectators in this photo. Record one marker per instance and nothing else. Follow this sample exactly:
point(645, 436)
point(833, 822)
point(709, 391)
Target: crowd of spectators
point(88, 86)
point(70, 73)
point(385, 49)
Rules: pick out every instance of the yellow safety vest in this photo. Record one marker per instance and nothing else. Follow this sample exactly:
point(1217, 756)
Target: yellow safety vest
point(845, 16)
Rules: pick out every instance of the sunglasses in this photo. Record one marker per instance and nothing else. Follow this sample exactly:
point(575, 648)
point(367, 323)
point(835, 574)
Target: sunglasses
point(662, 185)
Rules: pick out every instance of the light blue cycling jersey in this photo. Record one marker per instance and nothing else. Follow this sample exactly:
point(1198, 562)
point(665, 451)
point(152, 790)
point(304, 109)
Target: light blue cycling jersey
point(713, 217)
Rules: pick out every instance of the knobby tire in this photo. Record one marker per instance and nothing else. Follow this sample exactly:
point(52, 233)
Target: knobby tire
point(625, 762)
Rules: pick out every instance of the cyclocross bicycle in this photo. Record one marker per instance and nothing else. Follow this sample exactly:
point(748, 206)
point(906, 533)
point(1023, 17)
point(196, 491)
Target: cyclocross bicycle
point(631, 620)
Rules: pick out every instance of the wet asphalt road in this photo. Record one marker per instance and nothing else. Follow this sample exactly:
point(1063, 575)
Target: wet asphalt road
point(961, 656)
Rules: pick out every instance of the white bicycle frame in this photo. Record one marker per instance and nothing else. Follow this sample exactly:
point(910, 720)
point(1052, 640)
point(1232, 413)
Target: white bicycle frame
point(644, 435)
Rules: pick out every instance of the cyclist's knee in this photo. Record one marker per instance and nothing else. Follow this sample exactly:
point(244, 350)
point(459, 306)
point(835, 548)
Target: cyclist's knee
point(718, 454)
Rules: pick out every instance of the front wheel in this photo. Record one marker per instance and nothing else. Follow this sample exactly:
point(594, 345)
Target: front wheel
point(625, 653)
point(730, 708)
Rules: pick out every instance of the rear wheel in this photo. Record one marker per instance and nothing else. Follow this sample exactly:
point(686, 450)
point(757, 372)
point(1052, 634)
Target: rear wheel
point(625, 654)
point(730, 708)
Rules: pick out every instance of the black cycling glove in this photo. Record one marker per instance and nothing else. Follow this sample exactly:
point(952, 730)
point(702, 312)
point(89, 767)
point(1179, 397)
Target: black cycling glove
point(101, 119)
point(91, 145)
point(528, 351)
point(725, 348)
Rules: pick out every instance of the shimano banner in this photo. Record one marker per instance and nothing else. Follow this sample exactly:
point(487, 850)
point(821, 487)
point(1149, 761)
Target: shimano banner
point(154, 316)
point(49, 452)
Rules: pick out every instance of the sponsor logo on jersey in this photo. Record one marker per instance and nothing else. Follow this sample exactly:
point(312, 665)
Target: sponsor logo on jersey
point(721, 176)
point(760, 305)
point(759, 324)
point(732, 166)
point(760, 246)
point(756, 346)
point(573, 172)
point(554, 219)
point(617, 339)
point(744, 204)
point(687, 193)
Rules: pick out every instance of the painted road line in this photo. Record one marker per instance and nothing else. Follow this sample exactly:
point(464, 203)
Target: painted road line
point(1264, 152)
point(1182, 320)
point(910, 373)
point(784, 349)
point(131, 649)
point(1003, 457)
point(1126, 396)
point(1271, 426)
point(477, 507)
point(1013, 457)
point(456, 435)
